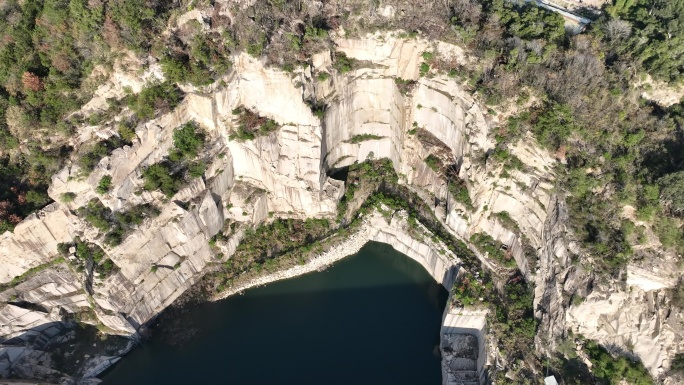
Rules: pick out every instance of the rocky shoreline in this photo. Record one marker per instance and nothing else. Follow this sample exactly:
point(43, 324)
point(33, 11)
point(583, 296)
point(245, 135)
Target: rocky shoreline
point(350, 245)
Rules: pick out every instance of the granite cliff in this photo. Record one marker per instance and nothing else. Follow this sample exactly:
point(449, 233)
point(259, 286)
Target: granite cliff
point(287, 173)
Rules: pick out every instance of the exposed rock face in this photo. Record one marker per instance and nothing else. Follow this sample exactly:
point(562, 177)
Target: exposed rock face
point(366, 106)
point(286, 173)
point(34, 241)
point(640, 320)
point(138, 291)
point(434, 256)
point(554, 257)
point(463, 347)
point(56, 289)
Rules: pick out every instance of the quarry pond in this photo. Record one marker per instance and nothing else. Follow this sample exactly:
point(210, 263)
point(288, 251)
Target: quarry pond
point(372, 318)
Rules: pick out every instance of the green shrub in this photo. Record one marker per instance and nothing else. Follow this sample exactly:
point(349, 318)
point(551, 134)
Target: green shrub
point(678, 295)
point(160, 176)
point(669, 232)
point(251, 125)
point(424, 69)
point(197, 169)
point(205, 61)
point(363, 137)
point(554, 125)
point(92, 157)
point(67, 197)
point(486, 244)
point(155, 97)
point(678, 363)
point(96, 214)
point(169, 175)
point(138, 21)
point(433, 162)
point(105, 185)
point(507, 159)
point(613, 370)
point(126, 132)
point(507, 221)
point(135, 215)
point(460, 193)
point(318, 108)
point(672, 192)
point(118, 224)
point(37, 198)
point(404, 85)
point(467, 291)
point(94, 153)
point(106, 268)
point(343, 63)
point(187, 141)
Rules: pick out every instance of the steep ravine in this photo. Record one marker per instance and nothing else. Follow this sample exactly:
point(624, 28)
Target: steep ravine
point(285, 174)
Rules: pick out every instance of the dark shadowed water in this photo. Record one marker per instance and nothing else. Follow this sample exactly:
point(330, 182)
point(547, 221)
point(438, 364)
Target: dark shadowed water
point(373, 318)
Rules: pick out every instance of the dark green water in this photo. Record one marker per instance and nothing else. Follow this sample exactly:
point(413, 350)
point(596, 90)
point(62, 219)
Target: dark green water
point(373, 318)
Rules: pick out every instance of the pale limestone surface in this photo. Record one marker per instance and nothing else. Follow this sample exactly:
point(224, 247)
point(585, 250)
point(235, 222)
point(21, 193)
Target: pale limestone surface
point(649, 278)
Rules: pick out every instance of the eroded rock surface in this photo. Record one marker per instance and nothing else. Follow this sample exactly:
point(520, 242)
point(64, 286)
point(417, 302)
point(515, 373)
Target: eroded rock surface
point(285, 174)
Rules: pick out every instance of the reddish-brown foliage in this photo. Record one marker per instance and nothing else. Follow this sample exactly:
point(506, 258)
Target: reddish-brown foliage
point(31, 82)
point(62, 62)
point(5, 207)
point(111, 32)
point(14, 219)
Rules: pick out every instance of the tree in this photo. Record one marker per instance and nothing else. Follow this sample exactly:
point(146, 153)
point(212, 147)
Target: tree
point(160, 176)
point(658, 35)
point(187, 140)
point(672, 192)
point(18, 122)
point(31, 82)
point(155, 97)
point(105, 185)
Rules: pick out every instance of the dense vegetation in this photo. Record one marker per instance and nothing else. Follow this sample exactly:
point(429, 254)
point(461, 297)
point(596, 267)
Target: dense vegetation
point(156, 97)
point(191, 56)
point(494, 249)
point(115, 225)
point(651, 33)
point(170, 174)
point(47, 50)
point(88, 253)
point(617, 148)
point(262, 248)
point(614, 370)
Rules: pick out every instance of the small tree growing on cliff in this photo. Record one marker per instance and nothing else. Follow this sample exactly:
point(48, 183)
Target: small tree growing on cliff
point(187, 140)
point(672, 192)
